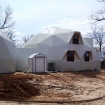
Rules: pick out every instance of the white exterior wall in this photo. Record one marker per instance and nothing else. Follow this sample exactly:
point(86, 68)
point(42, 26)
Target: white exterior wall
point(22, 55)
point(60, 65)
point(89, 40)
point(7, 66)
point(76, 66)
point(22, 58)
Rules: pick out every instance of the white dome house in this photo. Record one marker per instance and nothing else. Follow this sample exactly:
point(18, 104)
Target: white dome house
point(66, 50)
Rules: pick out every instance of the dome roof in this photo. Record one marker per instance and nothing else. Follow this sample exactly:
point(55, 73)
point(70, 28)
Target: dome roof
point(55, 42)
point(55, 30)
point(52, 37)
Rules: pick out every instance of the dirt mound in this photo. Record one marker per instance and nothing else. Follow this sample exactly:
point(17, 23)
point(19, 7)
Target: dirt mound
point(16, 87)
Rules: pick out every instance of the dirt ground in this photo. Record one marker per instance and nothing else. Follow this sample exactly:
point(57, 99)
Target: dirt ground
point(68, 88)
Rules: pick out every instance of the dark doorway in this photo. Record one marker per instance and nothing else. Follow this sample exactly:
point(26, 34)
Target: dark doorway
point(70, 56)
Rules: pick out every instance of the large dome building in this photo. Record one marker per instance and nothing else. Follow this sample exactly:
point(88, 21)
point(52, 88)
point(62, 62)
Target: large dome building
point(65, 50)
point(7, 54)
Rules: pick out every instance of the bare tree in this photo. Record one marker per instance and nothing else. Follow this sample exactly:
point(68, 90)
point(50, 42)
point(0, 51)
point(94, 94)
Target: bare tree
point(26, 38)
point(6, 23)
point(100, 14)
point(6, 18)
point(98, 33)
point(23, 41)
point(11, 36)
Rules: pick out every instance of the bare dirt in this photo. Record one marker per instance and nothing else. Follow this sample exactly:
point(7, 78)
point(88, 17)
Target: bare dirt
point(15, 86)
point(79, 88)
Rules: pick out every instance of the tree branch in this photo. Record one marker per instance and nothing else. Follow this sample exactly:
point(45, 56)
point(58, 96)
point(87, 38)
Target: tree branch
point(7, 19)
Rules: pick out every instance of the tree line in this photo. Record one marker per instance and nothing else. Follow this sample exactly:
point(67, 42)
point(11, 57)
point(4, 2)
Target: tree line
point(98, 30)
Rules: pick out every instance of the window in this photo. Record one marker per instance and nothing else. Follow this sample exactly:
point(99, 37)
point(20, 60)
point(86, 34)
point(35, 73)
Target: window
point(87, 55)
point(70, 56)
point(76, 39)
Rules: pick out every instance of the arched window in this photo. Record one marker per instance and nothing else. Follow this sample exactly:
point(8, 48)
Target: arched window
point(70, 56)
point(87, 56)
point(76, 39)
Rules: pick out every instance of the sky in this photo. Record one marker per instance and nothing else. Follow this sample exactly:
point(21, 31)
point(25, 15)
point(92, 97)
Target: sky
point(34, 16)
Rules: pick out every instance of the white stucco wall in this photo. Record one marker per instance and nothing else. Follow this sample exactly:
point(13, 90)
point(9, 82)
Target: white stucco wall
point(60, 65)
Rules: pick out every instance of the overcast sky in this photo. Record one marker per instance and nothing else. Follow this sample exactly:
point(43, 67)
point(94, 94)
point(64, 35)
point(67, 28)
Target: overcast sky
point(34, 16)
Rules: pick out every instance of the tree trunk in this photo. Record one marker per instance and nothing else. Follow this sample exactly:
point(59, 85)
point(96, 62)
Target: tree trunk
point(100, 48)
